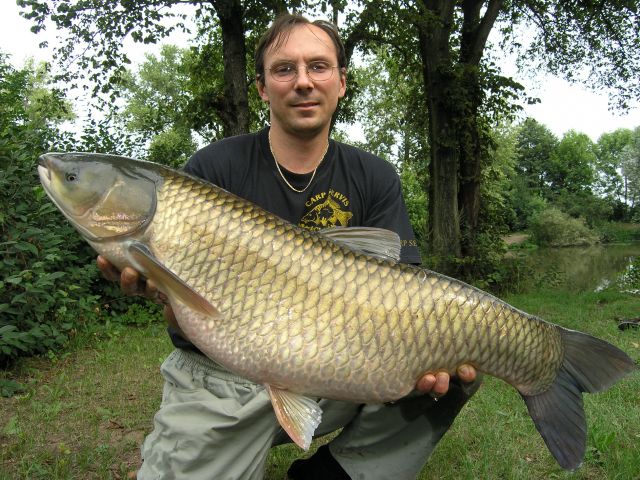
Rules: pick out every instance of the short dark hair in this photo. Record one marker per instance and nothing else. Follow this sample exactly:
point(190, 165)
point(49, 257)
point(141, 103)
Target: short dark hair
point(279, 31)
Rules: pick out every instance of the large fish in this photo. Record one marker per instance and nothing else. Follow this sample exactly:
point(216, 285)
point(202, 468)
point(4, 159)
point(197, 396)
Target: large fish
point(330, 315)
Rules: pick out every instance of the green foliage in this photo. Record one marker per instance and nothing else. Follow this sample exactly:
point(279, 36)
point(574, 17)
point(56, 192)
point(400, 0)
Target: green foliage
point(415, 198)
point(610, 150)
point(554, 228)
point(574, 175)
point(8, 388)
point(630, 167)
point(172, 147)
point(630, 279)
point(584, 204)
point(48, 287)
point(484, 268)
point(535, 144)
point(391, 109)
point(138, 314)
point(47, 269)
point(572, 164)
point(156, 94)
point(615, 232)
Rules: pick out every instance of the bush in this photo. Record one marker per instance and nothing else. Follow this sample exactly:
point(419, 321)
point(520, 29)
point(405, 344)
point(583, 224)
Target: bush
point(49, 284)
point(554, 228)
point(47, 271)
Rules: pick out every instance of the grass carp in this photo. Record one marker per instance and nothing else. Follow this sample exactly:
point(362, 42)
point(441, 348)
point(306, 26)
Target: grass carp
point(330, 314)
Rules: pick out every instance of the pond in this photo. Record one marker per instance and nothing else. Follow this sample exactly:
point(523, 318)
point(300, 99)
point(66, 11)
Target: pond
point(579, 269)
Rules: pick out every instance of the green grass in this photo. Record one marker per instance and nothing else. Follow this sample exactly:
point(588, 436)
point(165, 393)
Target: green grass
point(84, 414)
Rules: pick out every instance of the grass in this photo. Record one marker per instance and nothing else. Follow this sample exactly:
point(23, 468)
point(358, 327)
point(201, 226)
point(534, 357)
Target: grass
point(84, 413)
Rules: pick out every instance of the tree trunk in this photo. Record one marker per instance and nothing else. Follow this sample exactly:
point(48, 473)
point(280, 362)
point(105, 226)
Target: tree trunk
point(475, 31)
point(454, 97)
point(443, 232)
point(234, 108)
point(470, 164)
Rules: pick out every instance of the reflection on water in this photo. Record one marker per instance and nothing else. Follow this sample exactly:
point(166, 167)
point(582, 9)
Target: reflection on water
point(584, 268)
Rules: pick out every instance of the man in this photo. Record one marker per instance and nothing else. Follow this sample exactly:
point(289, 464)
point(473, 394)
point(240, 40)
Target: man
point(214, 425)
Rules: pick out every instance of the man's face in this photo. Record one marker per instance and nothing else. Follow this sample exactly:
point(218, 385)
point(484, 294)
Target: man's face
point(303, 106)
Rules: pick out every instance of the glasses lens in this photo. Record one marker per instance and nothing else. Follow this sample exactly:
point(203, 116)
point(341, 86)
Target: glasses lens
point(284, 72)
point(319, 71)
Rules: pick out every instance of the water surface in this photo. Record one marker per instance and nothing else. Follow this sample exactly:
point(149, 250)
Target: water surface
point(578, 269)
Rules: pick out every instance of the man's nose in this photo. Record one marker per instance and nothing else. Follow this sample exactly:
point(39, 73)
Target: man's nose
point(303, 80)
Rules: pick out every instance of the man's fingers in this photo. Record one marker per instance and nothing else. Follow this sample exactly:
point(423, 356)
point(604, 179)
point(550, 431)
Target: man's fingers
point(426, 383)
point(151, 291)
point(466, 373)
point(107, 269)
point(131, 282)
point(442, 384)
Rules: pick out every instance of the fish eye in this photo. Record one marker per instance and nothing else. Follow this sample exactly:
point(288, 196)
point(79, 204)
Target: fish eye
point(71, 176)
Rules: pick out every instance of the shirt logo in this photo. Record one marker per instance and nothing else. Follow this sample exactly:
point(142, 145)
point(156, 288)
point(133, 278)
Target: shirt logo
point(326, 210)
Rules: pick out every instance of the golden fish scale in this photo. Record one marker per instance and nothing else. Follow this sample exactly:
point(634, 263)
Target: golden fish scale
point(300, 312)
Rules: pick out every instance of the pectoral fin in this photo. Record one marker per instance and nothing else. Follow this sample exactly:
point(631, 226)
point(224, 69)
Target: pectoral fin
point(297, 414)
point(168, 281)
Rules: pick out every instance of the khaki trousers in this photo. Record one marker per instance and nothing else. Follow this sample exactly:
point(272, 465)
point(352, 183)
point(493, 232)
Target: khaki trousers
point(214, 425)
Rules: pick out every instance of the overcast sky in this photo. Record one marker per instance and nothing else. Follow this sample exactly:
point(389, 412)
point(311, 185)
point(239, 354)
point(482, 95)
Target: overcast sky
point(563, 106)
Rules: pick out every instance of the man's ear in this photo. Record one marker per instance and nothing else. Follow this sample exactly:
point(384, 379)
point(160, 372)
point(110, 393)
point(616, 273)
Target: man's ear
point(343, 82)
point(261, 89)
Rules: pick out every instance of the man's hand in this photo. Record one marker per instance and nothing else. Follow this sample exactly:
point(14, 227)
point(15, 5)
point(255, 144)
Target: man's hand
point(437, 384)
point(132, 283)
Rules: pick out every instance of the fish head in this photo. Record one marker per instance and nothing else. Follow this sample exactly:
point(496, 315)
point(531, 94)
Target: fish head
point(103, 196)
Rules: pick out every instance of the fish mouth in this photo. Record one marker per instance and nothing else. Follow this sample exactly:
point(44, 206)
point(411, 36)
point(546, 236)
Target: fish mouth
point(44, 172)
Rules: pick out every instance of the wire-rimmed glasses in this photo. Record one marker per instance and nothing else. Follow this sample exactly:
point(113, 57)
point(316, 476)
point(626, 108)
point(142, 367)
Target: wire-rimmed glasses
point(287, 71)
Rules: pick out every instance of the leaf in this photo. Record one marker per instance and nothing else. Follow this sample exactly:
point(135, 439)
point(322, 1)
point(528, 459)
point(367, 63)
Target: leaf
point(8, 388)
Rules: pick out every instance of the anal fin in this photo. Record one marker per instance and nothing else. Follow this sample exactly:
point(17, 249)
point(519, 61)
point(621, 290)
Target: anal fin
point(297, 414)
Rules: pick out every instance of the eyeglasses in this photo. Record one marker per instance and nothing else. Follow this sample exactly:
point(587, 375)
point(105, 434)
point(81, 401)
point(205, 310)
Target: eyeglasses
point(286, 72)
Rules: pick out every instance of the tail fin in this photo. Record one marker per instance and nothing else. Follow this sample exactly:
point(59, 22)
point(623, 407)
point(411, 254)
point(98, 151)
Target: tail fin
point(589, 365)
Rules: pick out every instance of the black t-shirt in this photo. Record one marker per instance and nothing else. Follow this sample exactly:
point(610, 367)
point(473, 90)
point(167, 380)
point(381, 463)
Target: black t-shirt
point(351, 188)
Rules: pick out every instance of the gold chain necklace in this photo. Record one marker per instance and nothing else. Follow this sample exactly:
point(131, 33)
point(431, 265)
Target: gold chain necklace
point(282, 175)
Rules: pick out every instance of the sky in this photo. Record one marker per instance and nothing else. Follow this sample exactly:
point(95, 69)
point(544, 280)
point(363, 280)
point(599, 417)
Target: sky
point(563, 106)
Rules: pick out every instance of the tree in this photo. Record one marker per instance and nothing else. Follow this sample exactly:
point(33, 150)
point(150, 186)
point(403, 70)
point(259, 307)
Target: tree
point(612, 149)
point(631, 170)
point(535, 145)
point(156, 95)
point(157, 100)
point(572, 164)
point(96, 31)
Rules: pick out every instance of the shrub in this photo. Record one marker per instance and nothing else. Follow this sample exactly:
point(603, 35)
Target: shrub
point(554, 228)
point(49, 284)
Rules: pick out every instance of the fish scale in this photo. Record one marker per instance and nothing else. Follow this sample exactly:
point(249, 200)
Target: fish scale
point(309, 315)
